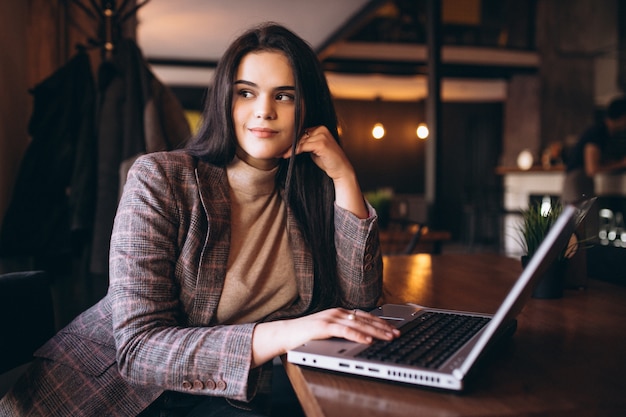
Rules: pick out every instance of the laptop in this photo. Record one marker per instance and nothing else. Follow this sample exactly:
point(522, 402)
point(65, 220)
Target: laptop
point(457, 338)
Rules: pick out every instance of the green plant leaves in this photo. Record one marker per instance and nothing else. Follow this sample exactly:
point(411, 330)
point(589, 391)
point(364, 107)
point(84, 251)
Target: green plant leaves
point(536, 222)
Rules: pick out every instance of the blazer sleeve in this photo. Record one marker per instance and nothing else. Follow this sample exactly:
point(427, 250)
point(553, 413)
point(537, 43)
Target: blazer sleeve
point(155, 345)
point(359, 258)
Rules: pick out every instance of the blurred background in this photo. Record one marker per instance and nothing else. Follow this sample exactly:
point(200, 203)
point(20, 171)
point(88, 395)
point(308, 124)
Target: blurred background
point(485, 80)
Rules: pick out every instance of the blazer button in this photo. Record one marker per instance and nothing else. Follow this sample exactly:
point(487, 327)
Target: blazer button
point(368, 257)
point(187, 385)
point(368, 267)
point(198, 385)
point(221, 385)
point(209, 384)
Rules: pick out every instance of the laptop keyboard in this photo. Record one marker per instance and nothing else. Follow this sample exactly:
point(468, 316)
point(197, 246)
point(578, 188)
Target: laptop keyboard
point(427, 341)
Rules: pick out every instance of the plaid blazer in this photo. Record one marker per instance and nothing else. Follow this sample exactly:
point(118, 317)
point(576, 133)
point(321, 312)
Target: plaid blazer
point(155, 329)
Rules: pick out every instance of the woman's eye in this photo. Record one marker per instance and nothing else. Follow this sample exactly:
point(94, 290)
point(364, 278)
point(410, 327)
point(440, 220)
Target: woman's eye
point(284, 97)
point(245, 93)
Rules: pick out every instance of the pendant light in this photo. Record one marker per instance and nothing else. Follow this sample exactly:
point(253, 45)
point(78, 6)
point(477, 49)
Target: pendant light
point(422, 131)
point(378, 131)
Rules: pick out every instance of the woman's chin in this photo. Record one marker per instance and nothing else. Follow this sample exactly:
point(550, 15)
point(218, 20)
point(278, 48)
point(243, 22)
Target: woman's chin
point(264, 163)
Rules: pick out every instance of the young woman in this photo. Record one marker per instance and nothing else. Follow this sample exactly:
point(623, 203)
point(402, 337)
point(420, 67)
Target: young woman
point(251, 241)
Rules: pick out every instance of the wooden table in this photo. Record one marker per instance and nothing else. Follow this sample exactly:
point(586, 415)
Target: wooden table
point(567, 358)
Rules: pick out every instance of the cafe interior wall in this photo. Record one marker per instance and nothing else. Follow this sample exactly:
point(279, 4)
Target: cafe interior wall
point(471, 138)
point(394, 161)
point(14, 104)
point(581, 53)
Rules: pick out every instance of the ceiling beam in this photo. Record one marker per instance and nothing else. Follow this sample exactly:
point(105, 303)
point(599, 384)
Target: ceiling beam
point(354, 23)
point(362, 66)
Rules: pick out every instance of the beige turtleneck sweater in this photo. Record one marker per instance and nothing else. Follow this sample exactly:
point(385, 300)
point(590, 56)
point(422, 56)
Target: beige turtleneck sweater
point(260, 278)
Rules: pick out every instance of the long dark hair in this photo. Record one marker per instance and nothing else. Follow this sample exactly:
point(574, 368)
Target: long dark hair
point(309, 192)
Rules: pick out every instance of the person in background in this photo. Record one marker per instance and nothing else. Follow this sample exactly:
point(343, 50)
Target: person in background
point(252, 240)
point(592, 154)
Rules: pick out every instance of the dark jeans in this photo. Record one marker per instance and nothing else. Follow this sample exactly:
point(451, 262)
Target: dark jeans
point(176, 404)
point(283, 402)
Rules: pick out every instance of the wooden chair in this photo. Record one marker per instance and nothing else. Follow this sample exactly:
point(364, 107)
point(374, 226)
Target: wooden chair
point(401, 237)
point(407, 230)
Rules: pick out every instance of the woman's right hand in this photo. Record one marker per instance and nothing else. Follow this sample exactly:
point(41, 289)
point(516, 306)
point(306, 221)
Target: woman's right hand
point(272, 339)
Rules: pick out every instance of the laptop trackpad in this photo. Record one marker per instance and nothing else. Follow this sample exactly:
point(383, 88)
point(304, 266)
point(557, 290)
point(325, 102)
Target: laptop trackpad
point(395, 314)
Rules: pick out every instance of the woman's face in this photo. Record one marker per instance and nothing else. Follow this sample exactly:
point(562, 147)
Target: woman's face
point(264, 108)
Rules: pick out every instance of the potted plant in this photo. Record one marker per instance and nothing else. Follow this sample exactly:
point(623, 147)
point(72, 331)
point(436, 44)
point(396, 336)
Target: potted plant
point(537, 220)
point(381, 201)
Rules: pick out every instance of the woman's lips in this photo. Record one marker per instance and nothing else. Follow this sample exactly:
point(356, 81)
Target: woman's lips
point(262, 132)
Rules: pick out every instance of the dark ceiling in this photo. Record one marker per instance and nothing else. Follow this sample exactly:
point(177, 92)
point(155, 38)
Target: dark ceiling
point(499, 24)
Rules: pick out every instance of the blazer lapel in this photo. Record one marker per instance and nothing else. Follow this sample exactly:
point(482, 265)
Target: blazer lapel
point(213, 190)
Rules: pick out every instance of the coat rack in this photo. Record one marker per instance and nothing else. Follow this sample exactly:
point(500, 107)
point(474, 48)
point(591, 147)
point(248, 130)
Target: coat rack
point(110, 18)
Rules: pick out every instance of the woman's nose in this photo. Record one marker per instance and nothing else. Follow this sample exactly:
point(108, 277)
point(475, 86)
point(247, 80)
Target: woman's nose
point(265, 110)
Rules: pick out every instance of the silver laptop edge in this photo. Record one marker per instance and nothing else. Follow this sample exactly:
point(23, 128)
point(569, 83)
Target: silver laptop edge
point(515, 300)
point(451, 375)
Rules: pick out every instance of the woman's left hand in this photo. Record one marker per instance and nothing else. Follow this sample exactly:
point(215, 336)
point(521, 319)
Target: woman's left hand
point(330, 157)
point(325, 152)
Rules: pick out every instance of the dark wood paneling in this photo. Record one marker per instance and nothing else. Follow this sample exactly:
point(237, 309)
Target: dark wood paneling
point(45, 39)
point(568, 42)
point(471, 144)
point(395, 161)
point(522, 119)
point(14, 102)
point(471, 192)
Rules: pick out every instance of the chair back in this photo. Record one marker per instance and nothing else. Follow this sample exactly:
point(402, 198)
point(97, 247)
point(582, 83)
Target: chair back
point(26, 316)
point(407, 223)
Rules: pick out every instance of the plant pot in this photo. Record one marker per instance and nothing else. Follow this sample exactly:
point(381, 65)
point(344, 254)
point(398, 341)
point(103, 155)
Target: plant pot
point(552, 283)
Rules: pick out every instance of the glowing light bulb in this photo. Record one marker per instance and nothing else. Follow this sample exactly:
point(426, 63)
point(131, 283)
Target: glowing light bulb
point(422, 131)
point(378, 131)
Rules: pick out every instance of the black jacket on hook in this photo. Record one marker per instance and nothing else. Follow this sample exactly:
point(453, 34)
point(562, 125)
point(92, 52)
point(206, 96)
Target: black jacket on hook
point(84, 139)
point(52, 206)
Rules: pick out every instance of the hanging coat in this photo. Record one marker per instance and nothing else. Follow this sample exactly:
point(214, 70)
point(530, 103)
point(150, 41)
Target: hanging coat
point(84, 139)
point(52, 206)
point(137, 114)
